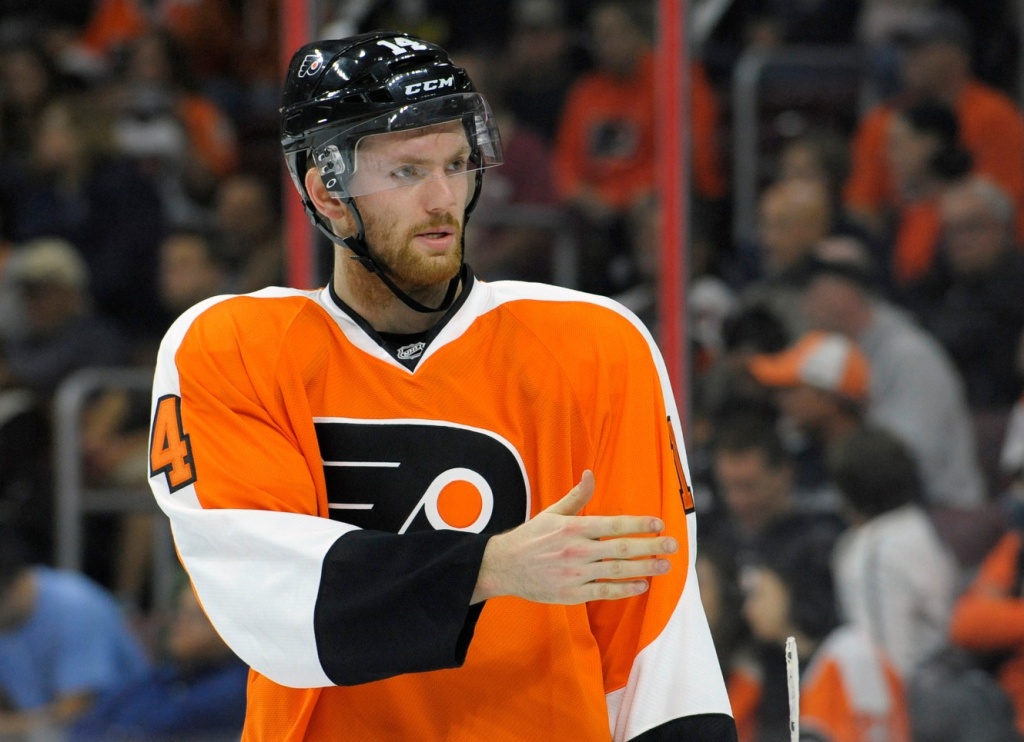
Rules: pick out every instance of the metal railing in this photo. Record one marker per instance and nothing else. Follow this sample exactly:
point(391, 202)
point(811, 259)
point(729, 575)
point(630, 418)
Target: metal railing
point(75, 501)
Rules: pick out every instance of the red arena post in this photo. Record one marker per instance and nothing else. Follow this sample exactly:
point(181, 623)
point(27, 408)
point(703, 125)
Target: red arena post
point(296, 30)
point(673, 184)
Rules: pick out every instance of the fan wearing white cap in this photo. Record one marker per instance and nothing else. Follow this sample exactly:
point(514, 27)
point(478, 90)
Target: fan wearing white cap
point(821, 386)
point(821, 383)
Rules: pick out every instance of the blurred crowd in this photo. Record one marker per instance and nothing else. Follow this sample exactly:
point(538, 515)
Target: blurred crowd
point(856, 432)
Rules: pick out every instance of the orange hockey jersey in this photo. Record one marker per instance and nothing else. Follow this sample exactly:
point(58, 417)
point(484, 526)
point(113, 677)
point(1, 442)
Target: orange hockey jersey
point(331, 500)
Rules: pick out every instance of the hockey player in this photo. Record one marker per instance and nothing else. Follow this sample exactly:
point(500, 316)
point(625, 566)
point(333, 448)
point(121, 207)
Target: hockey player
point(418, 505)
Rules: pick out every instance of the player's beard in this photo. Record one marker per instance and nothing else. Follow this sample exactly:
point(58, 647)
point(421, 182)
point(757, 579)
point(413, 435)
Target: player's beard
point(423, 277)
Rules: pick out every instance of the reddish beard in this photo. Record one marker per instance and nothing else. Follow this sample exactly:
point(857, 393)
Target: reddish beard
point(423, 277)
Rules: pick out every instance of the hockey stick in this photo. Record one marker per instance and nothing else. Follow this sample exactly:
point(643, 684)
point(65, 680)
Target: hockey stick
point(793, 683)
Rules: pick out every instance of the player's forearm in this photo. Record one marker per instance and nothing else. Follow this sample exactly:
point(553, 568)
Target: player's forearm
point(392, 604)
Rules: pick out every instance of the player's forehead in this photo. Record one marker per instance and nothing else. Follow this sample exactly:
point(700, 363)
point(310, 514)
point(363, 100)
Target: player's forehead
point(442, 139)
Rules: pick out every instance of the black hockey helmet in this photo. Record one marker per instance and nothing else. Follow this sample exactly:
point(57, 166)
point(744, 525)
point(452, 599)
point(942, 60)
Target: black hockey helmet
point(339, 91)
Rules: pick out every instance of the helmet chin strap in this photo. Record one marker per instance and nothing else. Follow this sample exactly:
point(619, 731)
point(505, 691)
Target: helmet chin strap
point(357, 244)
point(367, 261)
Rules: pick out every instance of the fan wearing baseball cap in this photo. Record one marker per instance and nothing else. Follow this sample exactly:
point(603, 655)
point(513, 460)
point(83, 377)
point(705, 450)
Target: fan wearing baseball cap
point(822, 371)
point(916, 391)
point(821, 385)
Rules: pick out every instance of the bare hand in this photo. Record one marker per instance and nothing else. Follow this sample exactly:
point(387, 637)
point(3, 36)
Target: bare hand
point(561, 557)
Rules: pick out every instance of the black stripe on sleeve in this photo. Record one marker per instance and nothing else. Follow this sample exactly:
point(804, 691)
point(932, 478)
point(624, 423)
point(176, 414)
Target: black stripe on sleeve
point(697, 728)
point(391, 604)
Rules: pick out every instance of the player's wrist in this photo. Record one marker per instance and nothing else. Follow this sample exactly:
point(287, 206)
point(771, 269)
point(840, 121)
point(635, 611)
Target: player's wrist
point(488, 581)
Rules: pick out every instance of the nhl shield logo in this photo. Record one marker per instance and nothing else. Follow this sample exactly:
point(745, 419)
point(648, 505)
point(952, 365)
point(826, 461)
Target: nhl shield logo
point(310, 65)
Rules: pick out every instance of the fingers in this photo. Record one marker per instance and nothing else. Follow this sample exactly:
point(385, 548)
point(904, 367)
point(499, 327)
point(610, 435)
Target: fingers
point(611, 590)
point(634, 548)
point(616, 526)
point(626, 569)
point(577, 497)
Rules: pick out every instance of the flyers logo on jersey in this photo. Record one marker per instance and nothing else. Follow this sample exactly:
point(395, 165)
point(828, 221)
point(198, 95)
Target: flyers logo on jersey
point(413, 475)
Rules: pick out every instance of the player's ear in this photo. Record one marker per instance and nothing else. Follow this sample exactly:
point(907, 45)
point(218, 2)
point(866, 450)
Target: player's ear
point(334, 209)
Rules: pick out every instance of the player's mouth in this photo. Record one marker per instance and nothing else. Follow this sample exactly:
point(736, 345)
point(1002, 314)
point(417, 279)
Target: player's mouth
point(437, 238)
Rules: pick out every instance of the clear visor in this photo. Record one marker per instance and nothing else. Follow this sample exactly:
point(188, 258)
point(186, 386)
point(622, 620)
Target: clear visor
point(450, 136)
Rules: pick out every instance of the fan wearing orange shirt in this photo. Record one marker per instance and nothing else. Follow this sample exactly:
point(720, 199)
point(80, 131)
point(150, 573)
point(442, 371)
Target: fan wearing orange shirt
point(991, 126)
point(605, 147)
point(988, 618)
point(420, 505)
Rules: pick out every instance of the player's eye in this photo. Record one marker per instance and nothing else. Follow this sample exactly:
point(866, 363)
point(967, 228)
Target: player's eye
point(457, 166)
point(407, 174)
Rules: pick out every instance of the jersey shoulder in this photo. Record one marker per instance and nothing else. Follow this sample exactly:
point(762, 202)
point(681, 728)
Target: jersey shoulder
point(244, 331)
point(571, 319)
point(257, 318)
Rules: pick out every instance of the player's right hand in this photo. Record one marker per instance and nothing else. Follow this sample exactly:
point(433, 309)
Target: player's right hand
point(562, 557)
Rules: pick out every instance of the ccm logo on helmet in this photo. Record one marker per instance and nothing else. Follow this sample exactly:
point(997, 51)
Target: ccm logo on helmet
point(427, 86)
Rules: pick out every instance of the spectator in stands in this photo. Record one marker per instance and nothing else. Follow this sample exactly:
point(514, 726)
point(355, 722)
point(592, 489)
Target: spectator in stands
point(249, 239)
point(726, 387)
point(540, 65)
point(28, 80)
point(821, 385)
point(895, 578)
point(77, 188)
point(191, 269)
point(988, 618)
point(915, 391)
point(207, 33)
point(520, 251)
point(605, 150)
point(971, 299)
point(849, 689)
point(62, 334)
point(754, 477)
point(794, 216)
point(179, 136)
point(819, 154)
point(195, 694)
point(927, 157)
point(881, 27)
point(822, 153)
point(937, 67)
point(63, 641)
point(257, 70)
